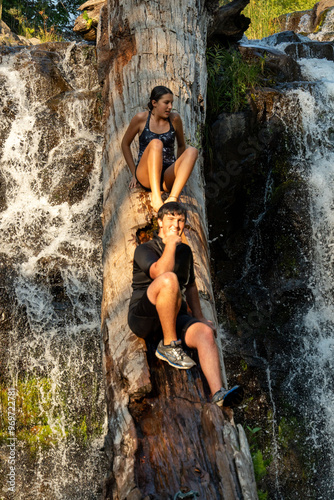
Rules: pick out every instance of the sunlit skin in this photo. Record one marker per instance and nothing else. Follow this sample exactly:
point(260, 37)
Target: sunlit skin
point(164, 293)
point(150, 165)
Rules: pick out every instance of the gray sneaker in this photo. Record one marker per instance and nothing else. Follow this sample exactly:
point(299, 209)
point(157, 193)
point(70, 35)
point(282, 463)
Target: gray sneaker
point(174, 355)
point(228, 397)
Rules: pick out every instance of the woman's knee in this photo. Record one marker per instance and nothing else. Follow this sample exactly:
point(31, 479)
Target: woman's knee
point(156, 144)
point(192, 152)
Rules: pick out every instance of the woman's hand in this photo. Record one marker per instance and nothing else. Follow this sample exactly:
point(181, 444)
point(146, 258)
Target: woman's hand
point(133, 183)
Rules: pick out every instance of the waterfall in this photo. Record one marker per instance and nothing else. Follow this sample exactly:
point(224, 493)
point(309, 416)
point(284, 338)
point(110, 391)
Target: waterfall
point(50, 145)
point(311, 380)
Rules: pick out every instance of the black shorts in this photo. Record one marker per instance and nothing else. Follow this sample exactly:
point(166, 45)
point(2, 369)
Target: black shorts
point(144, 320)
point(164, 167)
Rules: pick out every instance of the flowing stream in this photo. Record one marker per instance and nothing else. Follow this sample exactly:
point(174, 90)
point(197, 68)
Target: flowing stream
point(51, 269)
point(312, 375)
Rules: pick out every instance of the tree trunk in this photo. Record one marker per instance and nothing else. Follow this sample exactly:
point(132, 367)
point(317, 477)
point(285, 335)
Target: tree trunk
point(163, 434)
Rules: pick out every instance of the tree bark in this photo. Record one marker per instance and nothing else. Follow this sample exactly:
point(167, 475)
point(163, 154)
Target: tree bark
point(163, 435)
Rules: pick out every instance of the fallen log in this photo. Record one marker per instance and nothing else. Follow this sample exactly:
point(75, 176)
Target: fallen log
point(164, 437)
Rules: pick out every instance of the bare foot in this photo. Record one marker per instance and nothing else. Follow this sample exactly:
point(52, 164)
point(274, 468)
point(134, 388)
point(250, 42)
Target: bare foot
point(156, 202)
point(172, 198)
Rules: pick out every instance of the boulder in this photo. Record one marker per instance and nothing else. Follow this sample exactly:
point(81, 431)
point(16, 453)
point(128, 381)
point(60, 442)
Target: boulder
point(279, 64)
point(86, 23)
point(7, 37)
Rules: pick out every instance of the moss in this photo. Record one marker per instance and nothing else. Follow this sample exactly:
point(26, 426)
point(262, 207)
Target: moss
point(322, 19)
point(244, 365)
point(43, 416)
point(260, 464)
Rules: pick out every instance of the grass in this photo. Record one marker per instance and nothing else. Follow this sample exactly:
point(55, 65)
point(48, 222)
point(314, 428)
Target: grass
point(229, 80)
point(264, 12)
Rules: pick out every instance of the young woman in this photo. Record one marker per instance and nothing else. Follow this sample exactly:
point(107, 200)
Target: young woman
point(157, 169)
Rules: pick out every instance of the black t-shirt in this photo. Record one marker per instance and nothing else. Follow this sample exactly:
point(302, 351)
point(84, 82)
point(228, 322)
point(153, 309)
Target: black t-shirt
point(148, 253)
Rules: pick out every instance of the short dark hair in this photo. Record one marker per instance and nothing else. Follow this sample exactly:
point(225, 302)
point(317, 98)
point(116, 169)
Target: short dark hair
point(157, 93)
point(173, 208)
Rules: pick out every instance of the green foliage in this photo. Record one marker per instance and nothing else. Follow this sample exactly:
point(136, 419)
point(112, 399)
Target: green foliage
point(260, 468)
point(259, 463)
point(229, 80)
point(44, 416)
point(33, 17)
point(263, 15)
point(88, 19)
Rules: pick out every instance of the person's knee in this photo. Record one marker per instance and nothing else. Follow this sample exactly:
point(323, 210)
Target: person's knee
point(169, 281)
point(156, 145)
point(192, 153)
point(207, 336)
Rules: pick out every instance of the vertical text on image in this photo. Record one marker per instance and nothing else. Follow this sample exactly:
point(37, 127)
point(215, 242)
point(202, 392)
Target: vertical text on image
point(11, 414)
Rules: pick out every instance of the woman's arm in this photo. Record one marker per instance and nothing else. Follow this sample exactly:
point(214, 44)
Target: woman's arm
point(133, 129)
point(181, 143)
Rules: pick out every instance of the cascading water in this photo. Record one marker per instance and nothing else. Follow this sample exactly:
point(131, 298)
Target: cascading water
point(311, 380)
point(51, 252)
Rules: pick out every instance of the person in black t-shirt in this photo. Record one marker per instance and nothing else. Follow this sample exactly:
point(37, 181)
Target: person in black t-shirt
point(163, 288)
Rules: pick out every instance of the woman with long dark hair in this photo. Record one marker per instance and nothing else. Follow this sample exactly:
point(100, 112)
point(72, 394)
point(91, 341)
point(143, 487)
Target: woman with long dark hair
point(157, 169)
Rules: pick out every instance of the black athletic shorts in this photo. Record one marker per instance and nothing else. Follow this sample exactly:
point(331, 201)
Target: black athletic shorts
point(144, 320)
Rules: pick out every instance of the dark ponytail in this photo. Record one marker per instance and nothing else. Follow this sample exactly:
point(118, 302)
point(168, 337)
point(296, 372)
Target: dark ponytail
point(157, 93)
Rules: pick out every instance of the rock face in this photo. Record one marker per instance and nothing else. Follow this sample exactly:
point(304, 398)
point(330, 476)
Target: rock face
point(261, 238)
point(50, 206)
point(86, 23)
point(7, 37)
point(317, 23)
point(163, 434)
point(295, 46)
point(259, 234)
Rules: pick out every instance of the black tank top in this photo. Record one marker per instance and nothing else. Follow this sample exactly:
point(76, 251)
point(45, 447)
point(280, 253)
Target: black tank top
point(167, 138)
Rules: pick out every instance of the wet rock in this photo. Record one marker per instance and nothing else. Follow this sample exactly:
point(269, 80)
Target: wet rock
point(316, 23)
point(73, 174)
point(298, 46)
point(280, 65)
point(259, 231)
point(3, 202)
point(298, 22)
point(318, 50)
point(12, 317)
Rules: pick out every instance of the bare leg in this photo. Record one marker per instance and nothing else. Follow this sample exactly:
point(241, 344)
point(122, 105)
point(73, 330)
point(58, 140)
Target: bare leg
point(149, 171)
point(201, 337)
point(176, 175)
point(164, 293)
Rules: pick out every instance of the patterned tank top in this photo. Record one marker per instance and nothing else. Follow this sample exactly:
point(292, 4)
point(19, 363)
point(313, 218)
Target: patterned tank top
point(167, 138)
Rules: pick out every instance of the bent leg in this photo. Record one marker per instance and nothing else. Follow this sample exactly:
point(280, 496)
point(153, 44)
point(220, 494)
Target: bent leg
point(164, 293)
point(149, 170)
point(176, 175)
point(201, 337)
